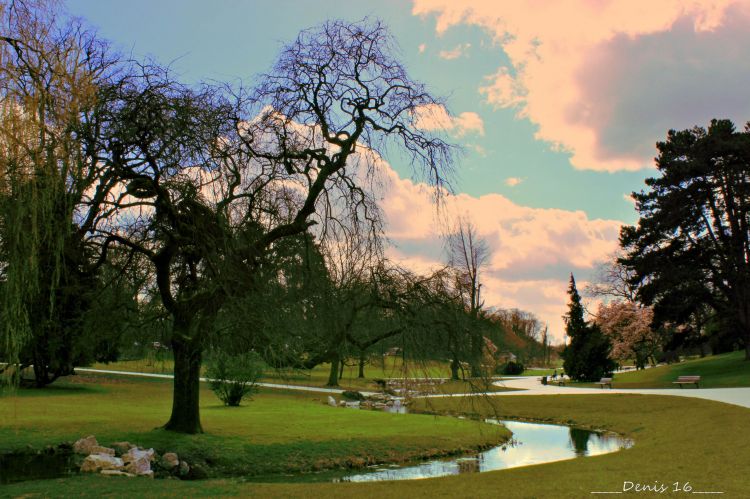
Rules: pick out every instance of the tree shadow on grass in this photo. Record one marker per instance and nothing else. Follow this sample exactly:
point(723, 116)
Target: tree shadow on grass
point(52, 390)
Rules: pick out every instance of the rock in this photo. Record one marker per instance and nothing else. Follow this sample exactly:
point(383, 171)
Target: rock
point(116, 473)
point(138, 461)
point(84, 445)
point(122, 447)
point(140, 466)
point(98, 449)
point(184, 468)
point(332, 401)
point(136, 453)
point(98, 462)
point(169, 461)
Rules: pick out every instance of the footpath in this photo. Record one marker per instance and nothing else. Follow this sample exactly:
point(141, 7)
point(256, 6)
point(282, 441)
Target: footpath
point(531, 385)
point(522, 386)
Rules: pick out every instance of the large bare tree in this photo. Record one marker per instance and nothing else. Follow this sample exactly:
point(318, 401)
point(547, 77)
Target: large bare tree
point(210, 182)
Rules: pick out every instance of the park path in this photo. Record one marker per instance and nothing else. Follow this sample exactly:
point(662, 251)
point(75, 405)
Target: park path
point(278, 386)
point(522, 385)
point(531, 385)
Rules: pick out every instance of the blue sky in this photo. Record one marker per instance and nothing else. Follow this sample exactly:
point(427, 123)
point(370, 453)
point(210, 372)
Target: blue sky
point(557, 106)
point(238, 39)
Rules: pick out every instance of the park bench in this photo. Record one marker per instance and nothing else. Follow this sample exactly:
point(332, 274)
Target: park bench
point(683, 380)
point(605, 381)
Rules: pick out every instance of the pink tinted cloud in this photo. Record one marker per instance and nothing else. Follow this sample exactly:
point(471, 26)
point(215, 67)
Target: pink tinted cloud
point(436, 117)
point(605, 79)
point(533, 249)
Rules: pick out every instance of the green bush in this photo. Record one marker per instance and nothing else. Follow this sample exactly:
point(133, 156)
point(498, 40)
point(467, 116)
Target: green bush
point(234, 377)
point(513, 368)
point(350, 395)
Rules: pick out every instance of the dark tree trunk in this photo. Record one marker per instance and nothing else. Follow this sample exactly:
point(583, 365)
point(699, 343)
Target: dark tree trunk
point(476, 353)
point(40, 374)
point(361, 373)
point(454, 369)
point(341, 368)
point(333, 376)
point(744, 320)
point(185, 416)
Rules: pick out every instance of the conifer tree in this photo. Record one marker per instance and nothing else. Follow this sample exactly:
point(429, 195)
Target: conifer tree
point(586, 357)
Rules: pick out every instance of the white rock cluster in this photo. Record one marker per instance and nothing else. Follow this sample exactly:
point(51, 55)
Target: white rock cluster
point(133, 461)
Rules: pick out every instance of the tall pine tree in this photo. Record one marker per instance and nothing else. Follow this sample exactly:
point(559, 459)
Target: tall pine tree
point(586, 357)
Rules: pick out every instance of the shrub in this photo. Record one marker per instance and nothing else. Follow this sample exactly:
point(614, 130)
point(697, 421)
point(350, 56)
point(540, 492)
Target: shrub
point(352, 395)
point(234, 377)
point(513, 368)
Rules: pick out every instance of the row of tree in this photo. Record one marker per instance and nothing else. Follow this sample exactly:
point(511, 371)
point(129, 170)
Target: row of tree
point(134, 207)
point(196, 196)
point(681, 278)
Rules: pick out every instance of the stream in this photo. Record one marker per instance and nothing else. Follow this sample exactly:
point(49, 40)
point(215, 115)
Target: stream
point(532, 443)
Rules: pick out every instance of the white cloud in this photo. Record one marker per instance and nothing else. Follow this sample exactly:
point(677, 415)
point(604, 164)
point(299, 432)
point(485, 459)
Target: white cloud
point(478, 149)
point(605, 80)
point(533, 249)
point(436, 117)
point(513, 181)
point(455, 52)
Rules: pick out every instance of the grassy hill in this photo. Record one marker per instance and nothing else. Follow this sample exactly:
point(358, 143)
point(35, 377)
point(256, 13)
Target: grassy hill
point(717, 371)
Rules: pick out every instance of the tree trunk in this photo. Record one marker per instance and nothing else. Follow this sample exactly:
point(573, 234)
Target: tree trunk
point(476, 353)
point(341, 369)
point(361, 373)
point(333, 376)
point(454, 369)
point(185, 416)
point(744, 319)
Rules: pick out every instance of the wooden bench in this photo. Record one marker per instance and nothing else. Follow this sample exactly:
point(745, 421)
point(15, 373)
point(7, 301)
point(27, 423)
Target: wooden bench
point(687, 380)
point(605, 381)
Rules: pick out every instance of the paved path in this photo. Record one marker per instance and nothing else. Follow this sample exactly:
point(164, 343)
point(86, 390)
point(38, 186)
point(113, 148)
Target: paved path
point(266, 385)
point(525, 385)
point(531, 385)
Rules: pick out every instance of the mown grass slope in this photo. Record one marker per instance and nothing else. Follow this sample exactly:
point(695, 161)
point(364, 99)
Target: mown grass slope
point(276, 432)
point(676, 440)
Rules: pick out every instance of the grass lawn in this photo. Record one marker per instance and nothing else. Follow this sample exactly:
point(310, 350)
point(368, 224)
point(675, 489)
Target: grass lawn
point(716, 371)
point(392, 367)
point(676, 440)
point(276, 432)
point(539, 372)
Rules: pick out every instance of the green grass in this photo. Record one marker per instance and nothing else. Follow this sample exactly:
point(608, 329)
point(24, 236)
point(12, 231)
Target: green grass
point(539, 372)
point(676, 440)
point(391, 367)
point(717, 371)
point(278, 431)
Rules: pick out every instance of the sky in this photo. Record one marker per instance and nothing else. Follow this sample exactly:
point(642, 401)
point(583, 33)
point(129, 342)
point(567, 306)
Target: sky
point(557, 106)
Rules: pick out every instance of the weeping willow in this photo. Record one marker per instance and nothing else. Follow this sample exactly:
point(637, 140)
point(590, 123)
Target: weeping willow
point(45, 90)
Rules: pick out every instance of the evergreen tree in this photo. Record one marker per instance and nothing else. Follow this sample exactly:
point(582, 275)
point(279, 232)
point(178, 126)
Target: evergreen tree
point(586, 358)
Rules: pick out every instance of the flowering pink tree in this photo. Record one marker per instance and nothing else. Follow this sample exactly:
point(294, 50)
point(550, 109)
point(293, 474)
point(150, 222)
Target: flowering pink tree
point(628, 326)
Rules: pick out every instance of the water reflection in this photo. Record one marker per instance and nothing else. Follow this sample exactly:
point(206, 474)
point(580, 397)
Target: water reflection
point(532, 444)
point(580, 440)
